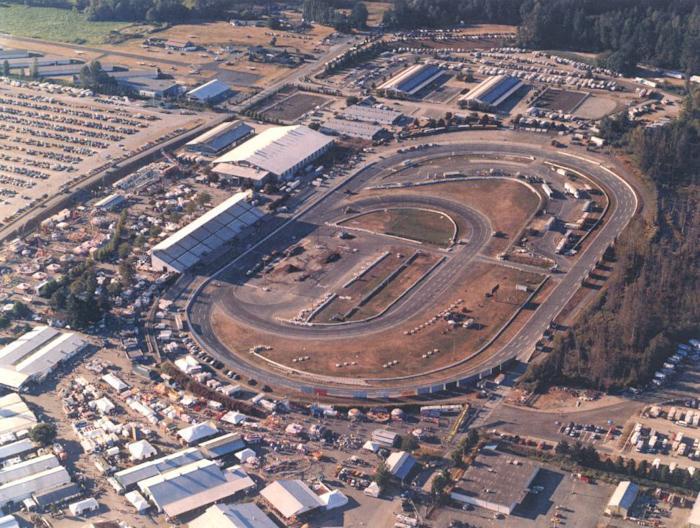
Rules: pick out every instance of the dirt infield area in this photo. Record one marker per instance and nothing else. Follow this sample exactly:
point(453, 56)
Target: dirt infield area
point(468, 315)
point(289, 105)
point(560, 100)
point(420, 225)
point(506, 203)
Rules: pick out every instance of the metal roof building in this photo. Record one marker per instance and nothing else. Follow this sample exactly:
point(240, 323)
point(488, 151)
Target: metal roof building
point(622, 499)
point(291, 497)
point(371, 114)
point(694, 517)
point(280, 150)
point(197, 432)
point(412, 80)
point(495, 481)
point(35, 354)
point(131, 476)
point(222, 446)
point(23, 488)
point(212, 91)
point(220, 137)
point(493, 91)
point(8, 521)
point(15, 416)
point(233, 516)
point(17, 448)
point(184, 249)
point(195, 485)
point(27, 468)
point(354, 129)
point(400, 464)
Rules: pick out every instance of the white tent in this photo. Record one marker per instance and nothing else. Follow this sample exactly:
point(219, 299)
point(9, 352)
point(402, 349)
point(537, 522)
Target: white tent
point(141, 450)
point(373, 490)
point(104, 405)
point(234, 417)
point(82, 506)
point(137, 501)
point(333, 499)
point(245, 455)
point(371, 446)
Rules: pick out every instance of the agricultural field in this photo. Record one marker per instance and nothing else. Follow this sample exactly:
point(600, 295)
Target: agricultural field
point(62, 25)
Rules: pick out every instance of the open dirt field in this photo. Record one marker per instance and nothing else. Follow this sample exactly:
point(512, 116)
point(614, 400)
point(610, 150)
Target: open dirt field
point(421, 225)
point(596, 107)
point(402, 343)
point(560, 100)
point(290, 107)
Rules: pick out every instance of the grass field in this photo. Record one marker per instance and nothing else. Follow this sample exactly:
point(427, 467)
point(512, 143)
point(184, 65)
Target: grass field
point(420, 225)
point(62, 25)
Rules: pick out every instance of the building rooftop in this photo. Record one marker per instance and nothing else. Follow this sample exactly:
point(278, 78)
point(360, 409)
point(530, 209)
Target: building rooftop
point(197, 432)
point(412, 79)
point(209, 90)
point(223, 445)
point(494, 90)
point(624, 495)
point(496, 478)
point(130, 476)
point(371, 114)
point(400, 464)
point(233, 516)
point(221, 136)
point(359, 129)
point(195, 485)
point(15, 416)
point(35, 354)
point(291, 497)
point(278, 149)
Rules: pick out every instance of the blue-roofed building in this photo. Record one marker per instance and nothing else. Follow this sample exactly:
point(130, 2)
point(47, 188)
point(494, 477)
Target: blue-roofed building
point(226, 135)
point(412, 80)
point(492, 92)
point(212, 92)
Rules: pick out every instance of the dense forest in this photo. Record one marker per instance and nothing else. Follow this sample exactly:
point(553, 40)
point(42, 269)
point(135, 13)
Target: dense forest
point(664, 33)
point(653, 296)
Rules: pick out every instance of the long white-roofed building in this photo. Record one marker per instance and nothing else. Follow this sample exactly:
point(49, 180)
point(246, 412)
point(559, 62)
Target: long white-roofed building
point(491, 92)
point(186, 247)
point(35, 354)
point(15, 418)
point(281, 151)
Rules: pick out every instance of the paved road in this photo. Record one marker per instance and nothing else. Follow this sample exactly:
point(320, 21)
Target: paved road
point(520, 346)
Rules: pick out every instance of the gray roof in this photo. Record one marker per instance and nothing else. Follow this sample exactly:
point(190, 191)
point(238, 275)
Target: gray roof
point(400, 464)
point(372, 114)
point(209, 90)
point(130, 476)
point(223, 445)
point(183, 249)
point(221, 136)
point(357, 129)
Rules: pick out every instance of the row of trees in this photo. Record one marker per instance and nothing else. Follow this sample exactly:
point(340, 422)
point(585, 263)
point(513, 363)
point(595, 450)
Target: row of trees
point(154, 10)
point(651, 301)
point(664, 33)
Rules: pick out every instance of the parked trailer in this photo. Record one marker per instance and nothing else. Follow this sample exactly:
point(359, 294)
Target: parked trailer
point(547, 190)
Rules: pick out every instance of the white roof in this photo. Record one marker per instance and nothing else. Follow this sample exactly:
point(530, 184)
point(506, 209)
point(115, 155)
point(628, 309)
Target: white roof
point(116, 383)
point(624, 495)
point(15, 415)
point(76, 508)
point(16, 448)
point(400, 463)
point(371, 446)
point(209, 90)
point(196, 432)
point(233, 516)
point(291, 497)
point(184, 248)
point(278, 149)
point(234, 417)
point(333, 499)
point(193, 486)
point(8, 521)
point(104, 405)
point(35, 354)
point(141, 450)
point(245, 454)
point(137, 501)
point(371, 114)
point(18, 490)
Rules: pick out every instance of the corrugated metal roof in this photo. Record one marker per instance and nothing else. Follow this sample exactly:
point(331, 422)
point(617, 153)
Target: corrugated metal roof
point(130, 476)
point(278, 149)
point(221, 136)
point(209, 90)
point(233, 516)
point(21, 489)
point(291, 497)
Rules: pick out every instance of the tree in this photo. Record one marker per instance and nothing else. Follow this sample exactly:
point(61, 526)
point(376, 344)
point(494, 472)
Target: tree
point(351, 100)
point(203, 198)
point(43, 433)
point(34, 69)
point(359, 15)
point(440, 483)
point(6, 68)
point(409, 442)
point(457, 457)
point(382, 476)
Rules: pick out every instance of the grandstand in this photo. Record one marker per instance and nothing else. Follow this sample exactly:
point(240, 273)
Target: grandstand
point(186, 247)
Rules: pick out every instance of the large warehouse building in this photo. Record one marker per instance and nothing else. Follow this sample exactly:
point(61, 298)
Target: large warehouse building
point(496, 482)
point(220, 137)
point(281, 151)
point(412, 80)
point(372, 114)
point(34, 355)
point(492, 92)
point(186, 247)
